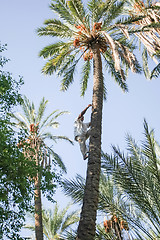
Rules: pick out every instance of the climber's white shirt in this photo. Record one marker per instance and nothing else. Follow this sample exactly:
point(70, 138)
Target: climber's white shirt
point(80, 128)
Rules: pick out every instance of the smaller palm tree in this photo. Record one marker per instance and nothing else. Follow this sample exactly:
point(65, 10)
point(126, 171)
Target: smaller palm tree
point(119, 213)
point(57, 223)
point(35, 148)
point(138, 175)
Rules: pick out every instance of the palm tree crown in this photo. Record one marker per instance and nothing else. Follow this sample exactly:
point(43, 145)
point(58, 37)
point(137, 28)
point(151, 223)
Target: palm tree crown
point(81, 29)
point(36, 127)
point(56, 222)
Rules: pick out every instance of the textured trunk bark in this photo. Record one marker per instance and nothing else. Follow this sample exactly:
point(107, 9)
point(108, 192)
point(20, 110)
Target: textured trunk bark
point(38, 210)
point(87, 224)
point(37, 196)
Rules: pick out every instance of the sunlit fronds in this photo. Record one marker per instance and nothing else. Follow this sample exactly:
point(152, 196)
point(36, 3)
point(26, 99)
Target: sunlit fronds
point(43, 123)
point(36, 126)
point(57, 159)
point(53, 49)
point(85, 76)
point(68, 77)
point(61, 8)
point(74, 188)
point(55, 28)
point(119, 76)
point(56, 61)
point(138, 175)
point(77, 10)
point(57, 222)
point(41, 110)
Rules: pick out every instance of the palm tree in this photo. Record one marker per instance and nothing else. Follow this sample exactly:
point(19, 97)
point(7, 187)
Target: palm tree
point(89, 36)
point(57, 222)
point(123, 220)
point(34, 147)
point(138, 174)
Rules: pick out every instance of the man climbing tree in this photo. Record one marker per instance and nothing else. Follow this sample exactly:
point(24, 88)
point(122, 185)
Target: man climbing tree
point(89, 39)
point(81, 133)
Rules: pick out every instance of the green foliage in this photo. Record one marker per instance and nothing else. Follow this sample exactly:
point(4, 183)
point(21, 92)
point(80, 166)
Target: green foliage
point(76, 22)
point(15, 186)
point(57, 223)
point(50, 164)
point(137, 173)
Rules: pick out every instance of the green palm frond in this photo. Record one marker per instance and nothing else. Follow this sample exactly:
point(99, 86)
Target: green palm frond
point(156, 71)
point(26, 106)
point(55, 62)
point(119, 76)
point(62, 9)
point(57, 223)
point(85, 76)
point(48, 135)
point(48, 119)
point(113, 9)
point(74, 188)
point(70, 219)
point(68, 76)
point(145, 64)
point(69, 59)
point(55, 28)
point(53, 49)
point(41, 110)
point(57, 159)
point(77, 10)
point(19, 121)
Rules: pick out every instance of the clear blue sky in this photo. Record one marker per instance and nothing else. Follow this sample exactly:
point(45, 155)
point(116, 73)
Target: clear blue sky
point(122, 112)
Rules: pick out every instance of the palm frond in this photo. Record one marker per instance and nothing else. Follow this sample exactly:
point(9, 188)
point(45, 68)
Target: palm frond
point(55, 62)
point(58, 160)
point(112, 11)
point(55, 28)
point(62, 9)
point(53, 49)
point(41, 110)
point(145, 64)
point(26, 106)
point(48, 135)
point(156, 71)
point(119, 76)
point(67, 61)
point(85, 76)
point(70, 219)
point(47, 118)
point(74, 188)
point(68, 76)
point(77, 10)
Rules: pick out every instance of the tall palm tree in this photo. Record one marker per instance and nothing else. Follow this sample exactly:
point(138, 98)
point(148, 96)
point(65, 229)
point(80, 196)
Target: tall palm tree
point(34, 147)
point(57, 222)
point(138, 174)
point(89, 36)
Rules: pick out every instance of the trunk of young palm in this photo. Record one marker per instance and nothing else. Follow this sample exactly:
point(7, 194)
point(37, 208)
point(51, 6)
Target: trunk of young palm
point(38, 205)
point(87, 224)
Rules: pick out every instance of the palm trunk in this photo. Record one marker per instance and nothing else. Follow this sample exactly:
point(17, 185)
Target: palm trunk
point(87, 224)
point(38, 209)
point(37, 199)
